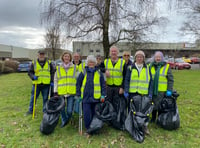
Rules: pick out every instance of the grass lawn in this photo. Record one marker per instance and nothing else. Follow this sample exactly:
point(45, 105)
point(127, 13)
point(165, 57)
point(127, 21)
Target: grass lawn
point(17, 130)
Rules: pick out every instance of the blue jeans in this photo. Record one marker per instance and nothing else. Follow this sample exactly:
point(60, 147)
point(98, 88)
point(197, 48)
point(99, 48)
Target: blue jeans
point(44, 89)
point(70, 104)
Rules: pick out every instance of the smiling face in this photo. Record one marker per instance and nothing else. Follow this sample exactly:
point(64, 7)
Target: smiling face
point(114, 52)
point(41, 56)
point(139, 59)
point(91, 64)
point(158, 58)
point(66, 58)
point(76, 58)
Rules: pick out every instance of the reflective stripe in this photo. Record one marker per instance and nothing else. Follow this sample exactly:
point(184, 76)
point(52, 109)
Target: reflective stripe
point(139, 87)
point(71, 84)
point(107, 64)
point(74, 74)
point(121, 64)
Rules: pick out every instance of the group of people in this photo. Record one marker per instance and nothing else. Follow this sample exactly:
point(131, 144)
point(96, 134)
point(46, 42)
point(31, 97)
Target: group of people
point(96, 81)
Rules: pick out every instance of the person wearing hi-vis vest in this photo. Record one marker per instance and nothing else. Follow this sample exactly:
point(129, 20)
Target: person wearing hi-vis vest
point(77, 61)
point(138, 80)
point(41, 72)
point(90, 88)
point(65, 85)
point(115, 71)
point(162, 81)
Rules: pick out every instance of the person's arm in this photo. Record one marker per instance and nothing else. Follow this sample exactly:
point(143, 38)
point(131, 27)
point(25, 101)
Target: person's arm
point(124, 75)
point(127, 80)
point(79, 84)
point(31, 72)
point(55, 83)
point(52, 71)
point(103, 85)
point(170, 80)
point(102, 67)
point(150, 90)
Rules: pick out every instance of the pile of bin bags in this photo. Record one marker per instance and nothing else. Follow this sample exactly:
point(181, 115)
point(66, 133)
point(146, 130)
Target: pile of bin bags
point(140, 109)
point(105, 112)
point(168, 117)
point(51, 116)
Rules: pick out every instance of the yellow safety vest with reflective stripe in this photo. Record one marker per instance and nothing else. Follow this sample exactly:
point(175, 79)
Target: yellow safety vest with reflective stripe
point(162, 81)
point(116, 72)
point(42, 73)
point(66, 80)
point(81, 67)
point(97, 86)
point(139, 83)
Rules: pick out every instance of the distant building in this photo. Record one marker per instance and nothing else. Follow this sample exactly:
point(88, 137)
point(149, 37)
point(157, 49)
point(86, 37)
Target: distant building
point(169, 49)
point(14, 52)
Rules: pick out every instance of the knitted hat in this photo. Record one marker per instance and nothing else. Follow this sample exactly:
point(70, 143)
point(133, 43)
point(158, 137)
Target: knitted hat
point(91, 58)
point(139, 52)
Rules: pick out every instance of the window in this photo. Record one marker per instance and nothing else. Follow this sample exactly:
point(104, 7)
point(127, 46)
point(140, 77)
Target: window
point(91, 50)
point(120, 50)
point(78, 50)
point(98, 50)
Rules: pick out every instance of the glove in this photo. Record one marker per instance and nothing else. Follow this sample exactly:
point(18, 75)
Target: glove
point(126, 95)
point(35, 77)
point(51, 84)
point(102, 99)
point(168, 93)
point(150, 96)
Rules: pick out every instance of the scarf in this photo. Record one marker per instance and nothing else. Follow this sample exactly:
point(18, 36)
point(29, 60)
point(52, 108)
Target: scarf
point(67, 66)
point(156, 77)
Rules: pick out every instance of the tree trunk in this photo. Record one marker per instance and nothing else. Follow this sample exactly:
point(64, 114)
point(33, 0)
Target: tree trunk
point(106, 44)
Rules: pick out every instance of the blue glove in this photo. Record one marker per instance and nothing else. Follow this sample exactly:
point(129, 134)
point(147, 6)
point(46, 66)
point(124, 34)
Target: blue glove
point(51, 84)
point(150, 96)
point(35, 77)
point(168, 93)
point(126, 95)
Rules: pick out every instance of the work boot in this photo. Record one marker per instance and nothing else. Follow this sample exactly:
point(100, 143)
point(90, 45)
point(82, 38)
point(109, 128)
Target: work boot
point(28, 113)
point(64, 124)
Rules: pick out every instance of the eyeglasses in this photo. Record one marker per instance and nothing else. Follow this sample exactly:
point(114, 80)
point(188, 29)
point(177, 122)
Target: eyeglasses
point(126, 55)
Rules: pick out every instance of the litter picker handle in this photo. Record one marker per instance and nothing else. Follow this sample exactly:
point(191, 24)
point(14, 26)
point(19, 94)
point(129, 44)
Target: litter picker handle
point(80, 119)
point(34, 101)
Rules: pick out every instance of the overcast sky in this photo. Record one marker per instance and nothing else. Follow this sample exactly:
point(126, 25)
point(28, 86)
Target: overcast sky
point(20, 24)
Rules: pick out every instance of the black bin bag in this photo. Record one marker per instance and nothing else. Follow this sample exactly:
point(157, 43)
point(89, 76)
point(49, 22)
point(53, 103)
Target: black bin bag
point(95, 125)
point(105, 111)
point(51, 116)
point(140, 109)
point(169, 116)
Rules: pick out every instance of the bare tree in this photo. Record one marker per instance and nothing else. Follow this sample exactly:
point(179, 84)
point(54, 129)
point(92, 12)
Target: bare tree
point(191, 8)
point(52, 39)
point(109, 21)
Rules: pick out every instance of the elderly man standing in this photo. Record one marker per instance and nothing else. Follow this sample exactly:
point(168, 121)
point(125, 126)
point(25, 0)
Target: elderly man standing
point(41, 73)
point(115, 72)
point(77, 61)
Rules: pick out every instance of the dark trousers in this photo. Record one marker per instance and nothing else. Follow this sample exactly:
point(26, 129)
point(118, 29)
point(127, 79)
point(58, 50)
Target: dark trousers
point(44, 89)
point(88, 113)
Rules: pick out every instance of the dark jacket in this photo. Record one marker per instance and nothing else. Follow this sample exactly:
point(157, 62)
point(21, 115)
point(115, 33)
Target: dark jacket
point(31, 72)
point(128, 77)
point(88, 95)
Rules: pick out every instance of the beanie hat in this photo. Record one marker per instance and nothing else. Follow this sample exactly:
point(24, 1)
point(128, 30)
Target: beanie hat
point(139, 52)
point(91, 58)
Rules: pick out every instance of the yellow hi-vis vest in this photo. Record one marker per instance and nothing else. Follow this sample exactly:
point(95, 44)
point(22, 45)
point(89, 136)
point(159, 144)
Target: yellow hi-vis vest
point(162, 80)
point(97, 85)
point(66, 80)
point(81, 67)
point(116, 72)
point(42, 73)
point(139, 83)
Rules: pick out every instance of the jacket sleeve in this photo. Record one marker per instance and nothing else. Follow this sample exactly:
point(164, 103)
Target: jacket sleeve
point(79, 84)
point(55, 83)
point(127, 80)
point(31, 72)
point(170, 80)
point(52, 71)
point(150, 90)
point(102, 67)
point(124, 74)
point(103, 85)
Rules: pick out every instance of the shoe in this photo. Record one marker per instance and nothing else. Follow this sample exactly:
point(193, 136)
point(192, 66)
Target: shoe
point(146, 131)
point(63, 124)
point(28, 113)
point(87, 135)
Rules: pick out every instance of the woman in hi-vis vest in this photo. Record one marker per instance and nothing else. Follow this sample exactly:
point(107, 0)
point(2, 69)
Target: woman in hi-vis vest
point(90, 88)
point(65, 85)
point(138, 80)
point(162, 81)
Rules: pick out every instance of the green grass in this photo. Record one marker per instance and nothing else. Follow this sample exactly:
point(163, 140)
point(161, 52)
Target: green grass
point(17, 130)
